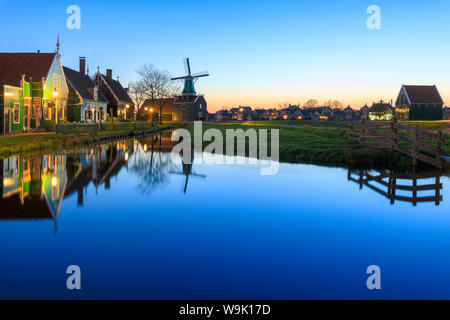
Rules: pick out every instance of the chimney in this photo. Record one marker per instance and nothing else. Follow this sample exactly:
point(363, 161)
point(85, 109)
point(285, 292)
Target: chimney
point(109, 73)
point(82, 65)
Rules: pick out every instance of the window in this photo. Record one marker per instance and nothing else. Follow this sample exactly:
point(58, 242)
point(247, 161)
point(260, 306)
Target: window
point(16, 113)
point(183, 107)
point(56, 82)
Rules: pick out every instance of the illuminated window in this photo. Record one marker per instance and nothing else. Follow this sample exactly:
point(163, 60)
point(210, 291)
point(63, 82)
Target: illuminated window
point(16, 113)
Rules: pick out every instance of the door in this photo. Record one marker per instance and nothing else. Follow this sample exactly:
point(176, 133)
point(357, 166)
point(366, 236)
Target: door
point(26, 116)
point(7, 122)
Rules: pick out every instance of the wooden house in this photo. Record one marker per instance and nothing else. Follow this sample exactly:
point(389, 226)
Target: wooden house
point(419, 103)
point(381, 111)
point(86, 103)
point(119, 102)
point(33, 88)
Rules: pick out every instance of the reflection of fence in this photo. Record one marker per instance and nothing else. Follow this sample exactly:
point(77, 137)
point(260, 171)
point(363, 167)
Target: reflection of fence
point(408, 140)
point(383, 180)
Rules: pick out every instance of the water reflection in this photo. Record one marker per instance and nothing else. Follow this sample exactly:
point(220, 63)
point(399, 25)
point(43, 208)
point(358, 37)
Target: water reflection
point(413, 188)
point(34, 187)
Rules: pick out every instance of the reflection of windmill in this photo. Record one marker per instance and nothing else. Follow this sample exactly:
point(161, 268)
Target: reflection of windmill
point(187, 171)
point(190, 79)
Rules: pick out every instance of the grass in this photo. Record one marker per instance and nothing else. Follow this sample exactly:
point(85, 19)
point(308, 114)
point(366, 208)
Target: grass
point(17, 144)
point(34, 142)
point(324, 146)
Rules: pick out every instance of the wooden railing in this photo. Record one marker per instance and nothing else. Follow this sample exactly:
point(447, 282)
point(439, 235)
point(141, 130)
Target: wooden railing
point(386, 184)
point(420, 145)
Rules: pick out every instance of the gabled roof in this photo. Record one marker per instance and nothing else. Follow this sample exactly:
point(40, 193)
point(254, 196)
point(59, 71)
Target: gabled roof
point(423, 94)
point(116, 89)
point(381, 107)
point(83, 84)
point(14, 65)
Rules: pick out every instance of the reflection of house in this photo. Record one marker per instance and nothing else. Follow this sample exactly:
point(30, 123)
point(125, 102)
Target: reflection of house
point(54, 180)
point(419, 103)
point(86, 102)
point(381, 111)
point(32, 86)
point(119, 102)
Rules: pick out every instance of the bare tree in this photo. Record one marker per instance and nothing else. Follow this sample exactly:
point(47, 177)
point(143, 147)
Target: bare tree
point(312, 103)
point(138, 92)
point(159, 88)
point(337, 104)
point(284, 105)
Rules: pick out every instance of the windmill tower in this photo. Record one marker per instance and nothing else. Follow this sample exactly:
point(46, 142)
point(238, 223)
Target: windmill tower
point(190, 79)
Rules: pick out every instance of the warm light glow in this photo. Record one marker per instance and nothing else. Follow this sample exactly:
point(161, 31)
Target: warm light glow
point(146, 109)
point(8, 94)
point(55, 93)
point(7, 182)
point(127, 106)
point(54, 181)
point(151, 110)
point(126, 156)
point(145, 147)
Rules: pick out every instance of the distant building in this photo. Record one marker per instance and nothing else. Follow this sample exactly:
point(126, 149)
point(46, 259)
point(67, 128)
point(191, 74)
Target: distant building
point(86, 103)
point(419, 103)
point(364, 112)
point(244, 113)
point(381, 111)
point(119, 102)
point(447, 113)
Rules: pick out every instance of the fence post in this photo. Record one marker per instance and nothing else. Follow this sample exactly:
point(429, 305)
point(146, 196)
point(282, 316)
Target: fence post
point(362, 131)
point(416, 137)
point(394, 133)
point(439, 152)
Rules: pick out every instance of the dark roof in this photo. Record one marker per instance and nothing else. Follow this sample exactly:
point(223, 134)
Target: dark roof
point(117, 89)
point(423, 94)
point(381, 107)
point(14, 65)
point(83, 84)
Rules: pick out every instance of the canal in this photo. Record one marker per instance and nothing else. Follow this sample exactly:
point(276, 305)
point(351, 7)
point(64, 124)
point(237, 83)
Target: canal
point(142, 226)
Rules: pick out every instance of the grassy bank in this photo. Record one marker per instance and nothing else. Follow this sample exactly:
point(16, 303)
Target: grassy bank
point(324, 146)
point(24, 143)
point(10, 145)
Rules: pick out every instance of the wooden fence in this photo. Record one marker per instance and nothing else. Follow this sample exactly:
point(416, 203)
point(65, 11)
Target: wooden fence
point(387, 184)
point(419, 144)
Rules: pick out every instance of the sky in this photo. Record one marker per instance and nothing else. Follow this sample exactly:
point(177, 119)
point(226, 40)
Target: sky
point(259, 53)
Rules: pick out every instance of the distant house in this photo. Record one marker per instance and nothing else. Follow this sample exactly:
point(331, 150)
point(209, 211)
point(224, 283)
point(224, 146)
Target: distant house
point(86, 103)
point(244, 113)
point(119, 102)
point(447, 113)
point(419, 103)
point(223, 115)
point(32, 87)
point(349, 113)
point(364, 112)
point(381, 111)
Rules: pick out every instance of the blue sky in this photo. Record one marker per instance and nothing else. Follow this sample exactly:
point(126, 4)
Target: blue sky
point(259, 53)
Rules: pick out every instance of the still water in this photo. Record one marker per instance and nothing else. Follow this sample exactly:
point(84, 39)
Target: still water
point(141, 226)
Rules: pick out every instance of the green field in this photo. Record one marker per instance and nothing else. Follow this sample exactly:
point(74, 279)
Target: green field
point(325, 146)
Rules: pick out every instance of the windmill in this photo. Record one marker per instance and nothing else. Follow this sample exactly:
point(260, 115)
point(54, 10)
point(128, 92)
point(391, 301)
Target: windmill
point(190, 79)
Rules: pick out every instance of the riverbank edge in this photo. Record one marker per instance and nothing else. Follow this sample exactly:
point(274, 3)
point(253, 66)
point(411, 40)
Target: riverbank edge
point(60, 141)
point(352, 156)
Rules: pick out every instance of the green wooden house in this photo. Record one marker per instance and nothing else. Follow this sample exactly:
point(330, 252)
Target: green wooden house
point(419, 103)
point(86, 102)
point(33, 89)
point(381, 111)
